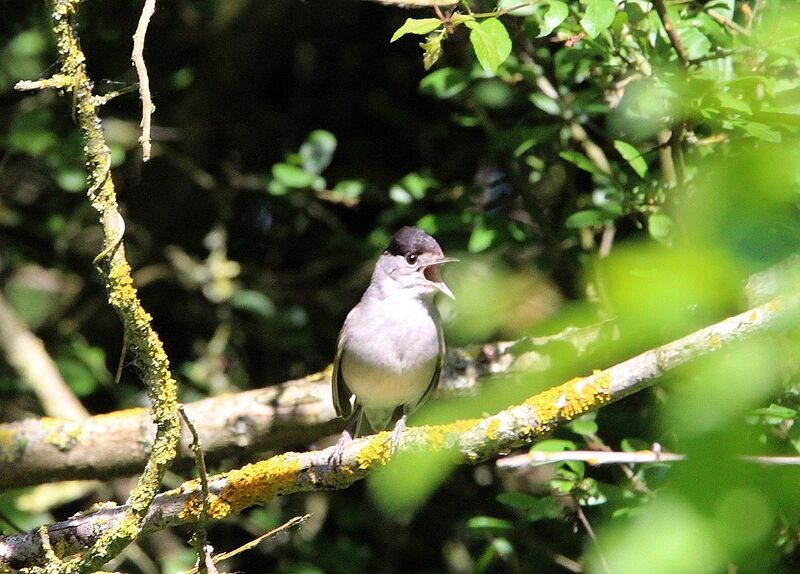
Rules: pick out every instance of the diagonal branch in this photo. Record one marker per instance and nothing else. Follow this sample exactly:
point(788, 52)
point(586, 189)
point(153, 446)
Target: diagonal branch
point(468, 441)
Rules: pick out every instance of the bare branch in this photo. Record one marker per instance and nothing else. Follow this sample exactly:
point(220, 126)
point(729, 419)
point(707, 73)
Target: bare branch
point(26, 353)
point(137, 56)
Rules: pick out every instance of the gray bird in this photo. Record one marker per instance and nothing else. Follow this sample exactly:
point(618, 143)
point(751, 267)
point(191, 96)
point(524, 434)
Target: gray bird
point(391, 350)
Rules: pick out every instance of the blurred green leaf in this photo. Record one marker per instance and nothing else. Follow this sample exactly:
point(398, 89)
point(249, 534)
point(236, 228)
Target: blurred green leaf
point(776, 411)
point(518, 500)
point(546, 104)
point(696, 43)
point(317, 151)
point(585, 218)
point(632, 156)
point(491, 42)
point(481, 239)
point(660, 225)
point(556, 13)
point(553, 445)
point(579, 159)
point(598, 17)
point(254, 302)
point(488, 523)
point(445, 83)
point(292, 176)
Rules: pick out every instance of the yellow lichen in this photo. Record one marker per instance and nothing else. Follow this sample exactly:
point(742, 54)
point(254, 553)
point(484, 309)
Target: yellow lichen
point(569, 400)
point(492, 428)
point(377, 452)
point(11, 448)
point(713, 341)
point(255, 484)
point(65, 436)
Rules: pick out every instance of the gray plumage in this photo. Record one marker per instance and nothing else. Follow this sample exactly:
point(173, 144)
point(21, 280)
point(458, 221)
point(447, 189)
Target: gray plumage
point(390, 350)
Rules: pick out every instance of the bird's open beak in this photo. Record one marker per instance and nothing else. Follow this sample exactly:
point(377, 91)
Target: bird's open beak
point(434, 277)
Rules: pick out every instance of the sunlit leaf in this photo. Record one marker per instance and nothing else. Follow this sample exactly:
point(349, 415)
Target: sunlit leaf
point(491, 42)
point(556, 13)
point(420, 26)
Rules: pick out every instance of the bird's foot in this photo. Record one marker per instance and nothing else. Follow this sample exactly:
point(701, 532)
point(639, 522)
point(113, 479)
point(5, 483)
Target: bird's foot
point(336, 457)
point(394, 436)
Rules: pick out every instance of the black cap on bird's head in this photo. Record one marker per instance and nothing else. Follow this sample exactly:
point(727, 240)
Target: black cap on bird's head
point(412, 240)
point(416, 257)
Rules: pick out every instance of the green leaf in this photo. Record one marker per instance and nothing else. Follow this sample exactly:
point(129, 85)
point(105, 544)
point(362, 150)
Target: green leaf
point(553, 445)
point(695, 42)
point(729, 102)
point(518, 500)
point(585, 218)
point(254, 302)
point(632, 156)
point(445, 83)
point(488, 523)
point(580, 160)
point(598, 17)
point(761, 131)
point(776, 411)
point(481, 239)
point(317, 151)
point(491, 42)
point(547, 507)
point(545, 103)
point(292, 176)
point(659, 225)
point(517, 8)
point(420, 26)
point(432, 47)
point(583, 426)
point(557, 12)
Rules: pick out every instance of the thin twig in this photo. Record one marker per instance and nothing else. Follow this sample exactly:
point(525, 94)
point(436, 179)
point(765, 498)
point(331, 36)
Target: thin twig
point(253, 543)
point(729, 23)
point(597, 458)
point(137, 56)
point(593, 536)
point(200, 538)
point(672, 32)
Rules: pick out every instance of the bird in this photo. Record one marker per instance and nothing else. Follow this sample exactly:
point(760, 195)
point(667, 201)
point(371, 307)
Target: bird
point(390, 350)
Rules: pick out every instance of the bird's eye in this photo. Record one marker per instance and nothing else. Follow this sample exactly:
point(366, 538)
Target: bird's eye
point(411, 258)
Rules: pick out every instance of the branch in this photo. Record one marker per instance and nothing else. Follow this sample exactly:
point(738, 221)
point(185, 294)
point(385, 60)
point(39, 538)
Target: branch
point(468, 441)
point(295, 412)
point(26, 353)
point(674, 37)
point(137, 56)
point(600, 457)
point(146, 346)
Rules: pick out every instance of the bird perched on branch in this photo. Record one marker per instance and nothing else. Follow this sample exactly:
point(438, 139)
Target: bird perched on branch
point(390, 350)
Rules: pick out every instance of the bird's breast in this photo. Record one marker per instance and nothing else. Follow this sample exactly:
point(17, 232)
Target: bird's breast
point(390, 358)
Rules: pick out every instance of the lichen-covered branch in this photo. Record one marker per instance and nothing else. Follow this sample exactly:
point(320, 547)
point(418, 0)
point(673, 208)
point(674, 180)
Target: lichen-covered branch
point(468, 441)
point(146, 347)
point(35, 451)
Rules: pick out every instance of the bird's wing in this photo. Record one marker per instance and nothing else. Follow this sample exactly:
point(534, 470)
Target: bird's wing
point(437, 372)
point(341, 392)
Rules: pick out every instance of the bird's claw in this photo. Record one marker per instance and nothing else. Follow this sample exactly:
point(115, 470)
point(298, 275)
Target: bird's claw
point(336, 457)
point(397, 431)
